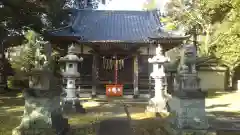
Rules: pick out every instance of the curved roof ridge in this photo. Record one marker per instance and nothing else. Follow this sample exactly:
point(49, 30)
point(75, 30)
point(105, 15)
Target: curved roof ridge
point(115, 25)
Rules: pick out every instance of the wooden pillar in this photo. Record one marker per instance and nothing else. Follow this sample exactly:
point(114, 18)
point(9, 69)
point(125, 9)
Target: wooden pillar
point(94, 74)
point(150, 68)
point(135, 76)
point(149, 78)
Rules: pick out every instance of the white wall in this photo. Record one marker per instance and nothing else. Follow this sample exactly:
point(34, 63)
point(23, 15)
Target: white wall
point(212, 80)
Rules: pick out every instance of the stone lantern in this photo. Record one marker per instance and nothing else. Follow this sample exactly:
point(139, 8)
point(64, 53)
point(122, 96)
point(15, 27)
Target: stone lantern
point(188, 101)
point(71, 102)
point(157, 103)
point(42, 113)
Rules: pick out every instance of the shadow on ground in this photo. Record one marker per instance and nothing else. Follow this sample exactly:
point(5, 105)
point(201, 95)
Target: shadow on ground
point(12, 94)
point(121, 126)
point(232, 115)
point(115, 108)
point(11, 102)
point(217, 105)
point(215, 94)
point(147, 126)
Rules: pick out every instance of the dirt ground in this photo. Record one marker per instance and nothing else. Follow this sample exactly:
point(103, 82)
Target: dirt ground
point(220, 105)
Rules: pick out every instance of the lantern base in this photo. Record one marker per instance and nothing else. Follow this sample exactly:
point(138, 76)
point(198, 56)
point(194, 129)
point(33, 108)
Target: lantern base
point(156, 106)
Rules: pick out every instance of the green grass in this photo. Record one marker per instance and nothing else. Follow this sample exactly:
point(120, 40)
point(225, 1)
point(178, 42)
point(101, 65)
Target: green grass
point(10, 115)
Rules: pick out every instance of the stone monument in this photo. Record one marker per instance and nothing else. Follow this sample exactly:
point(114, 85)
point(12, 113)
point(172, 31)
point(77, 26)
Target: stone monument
point(42, 113)
point(187, 104)
point(157, 103)
point(71, 102)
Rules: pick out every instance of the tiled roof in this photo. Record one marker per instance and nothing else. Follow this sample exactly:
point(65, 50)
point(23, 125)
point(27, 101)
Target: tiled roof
point(113, 26)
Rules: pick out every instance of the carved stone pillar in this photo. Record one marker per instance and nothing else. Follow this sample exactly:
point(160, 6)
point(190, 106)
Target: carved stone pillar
point(135, 76)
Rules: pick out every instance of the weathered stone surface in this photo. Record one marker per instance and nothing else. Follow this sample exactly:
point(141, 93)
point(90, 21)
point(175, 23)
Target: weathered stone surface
point(42, 116)
point(189, 113)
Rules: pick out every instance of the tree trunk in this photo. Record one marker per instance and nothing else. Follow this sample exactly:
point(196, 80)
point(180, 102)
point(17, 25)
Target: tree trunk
point(230, 81)
point(206, 46)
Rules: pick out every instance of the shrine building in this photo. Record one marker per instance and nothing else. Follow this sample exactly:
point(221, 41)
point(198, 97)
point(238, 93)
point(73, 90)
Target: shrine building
point(115, 47)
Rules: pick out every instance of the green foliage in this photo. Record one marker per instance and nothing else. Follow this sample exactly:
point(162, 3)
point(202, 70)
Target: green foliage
point(150, 5)
point(38, 15)
point(32, 55)
point(191, 16)
point(170, 23)
point(229, 55)
point(218, 23)
point(26, 60)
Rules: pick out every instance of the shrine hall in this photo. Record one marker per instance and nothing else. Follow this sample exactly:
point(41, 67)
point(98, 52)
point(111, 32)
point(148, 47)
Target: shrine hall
point(115, 47)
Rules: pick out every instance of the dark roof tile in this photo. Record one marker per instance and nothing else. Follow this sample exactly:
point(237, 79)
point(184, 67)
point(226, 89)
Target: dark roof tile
point(105, 25)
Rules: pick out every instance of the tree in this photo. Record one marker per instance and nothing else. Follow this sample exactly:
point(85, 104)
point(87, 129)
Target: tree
point(218, 22)
point(227, 48)
point(38, 15)
point(17, 16)
point(199, 14)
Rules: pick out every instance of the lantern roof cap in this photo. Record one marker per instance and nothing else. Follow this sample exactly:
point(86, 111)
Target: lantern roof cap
point(71, 58)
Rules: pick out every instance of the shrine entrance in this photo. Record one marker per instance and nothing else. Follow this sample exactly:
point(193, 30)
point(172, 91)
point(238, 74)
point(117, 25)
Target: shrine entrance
point(115, 70)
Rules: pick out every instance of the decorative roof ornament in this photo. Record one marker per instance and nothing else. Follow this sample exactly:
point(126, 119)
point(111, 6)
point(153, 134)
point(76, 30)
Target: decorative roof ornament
point(159, 50)
point(159, 56)
point(72, 49)
point(71, 56)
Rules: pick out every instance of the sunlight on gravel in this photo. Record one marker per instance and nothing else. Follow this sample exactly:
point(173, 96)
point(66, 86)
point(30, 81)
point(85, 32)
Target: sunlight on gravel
point(138, 116)
point(91, 104)
point(226, 102)
point(15, 109)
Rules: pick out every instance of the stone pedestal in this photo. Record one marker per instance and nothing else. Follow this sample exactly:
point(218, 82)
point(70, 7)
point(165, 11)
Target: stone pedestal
point(188, 110)
point(42, 114)
point(157, 103)
point(188, 113)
